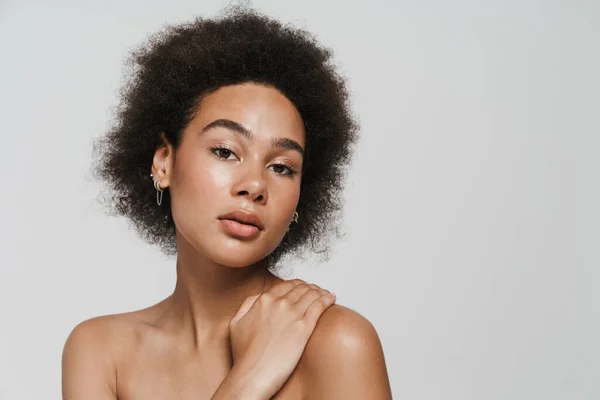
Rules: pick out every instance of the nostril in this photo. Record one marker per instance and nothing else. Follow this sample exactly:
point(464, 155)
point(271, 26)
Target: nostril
point(255, 196)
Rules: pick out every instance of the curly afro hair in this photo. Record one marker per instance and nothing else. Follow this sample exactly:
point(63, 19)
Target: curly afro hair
point(176, 68)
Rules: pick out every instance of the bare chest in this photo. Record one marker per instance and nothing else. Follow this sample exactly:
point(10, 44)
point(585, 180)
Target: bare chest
point(167, 374)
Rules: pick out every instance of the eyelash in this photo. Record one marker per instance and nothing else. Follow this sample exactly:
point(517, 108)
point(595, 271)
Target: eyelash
point(216, 149)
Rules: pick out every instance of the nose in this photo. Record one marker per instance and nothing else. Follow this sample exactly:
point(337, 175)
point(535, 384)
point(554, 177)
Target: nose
point(252, 184)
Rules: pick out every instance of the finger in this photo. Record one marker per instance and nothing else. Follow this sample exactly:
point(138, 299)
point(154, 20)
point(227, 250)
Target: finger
point(311, 295)
point(318, 307)
point(310, 286)
point(297, 292)
point(283, 288)
point(244, 308)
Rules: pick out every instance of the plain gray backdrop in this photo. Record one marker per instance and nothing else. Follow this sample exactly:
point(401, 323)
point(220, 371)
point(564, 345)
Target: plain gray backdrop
point(472, 214)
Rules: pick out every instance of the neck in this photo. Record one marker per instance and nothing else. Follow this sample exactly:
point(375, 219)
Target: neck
point(207, 295)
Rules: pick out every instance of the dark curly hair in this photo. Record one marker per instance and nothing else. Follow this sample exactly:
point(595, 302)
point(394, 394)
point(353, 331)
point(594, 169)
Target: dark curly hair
point(178, 67)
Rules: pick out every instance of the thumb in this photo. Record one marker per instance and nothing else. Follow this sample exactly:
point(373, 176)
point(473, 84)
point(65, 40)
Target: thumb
point(244, 308)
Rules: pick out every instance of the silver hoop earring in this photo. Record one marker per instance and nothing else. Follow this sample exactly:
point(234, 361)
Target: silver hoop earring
point(159, 191)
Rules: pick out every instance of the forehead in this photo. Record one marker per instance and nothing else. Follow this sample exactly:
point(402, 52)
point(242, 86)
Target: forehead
point(262, 109)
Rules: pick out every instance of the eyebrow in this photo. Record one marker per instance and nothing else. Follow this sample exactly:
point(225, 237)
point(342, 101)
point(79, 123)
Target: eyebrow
point(279, 142)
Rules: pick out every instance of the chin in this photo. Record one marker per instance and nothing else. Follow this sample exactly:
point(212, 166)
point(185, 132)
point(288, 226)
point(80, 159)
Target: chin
point(231, 252)
point(236, 258)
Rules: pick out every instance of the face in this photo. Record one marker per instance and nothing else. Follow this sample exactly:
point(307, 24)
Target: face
point(235, 180)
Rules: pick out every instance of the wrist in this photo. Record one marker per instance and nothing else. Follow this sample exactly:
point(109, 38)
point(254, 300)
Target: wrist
point(240, 384)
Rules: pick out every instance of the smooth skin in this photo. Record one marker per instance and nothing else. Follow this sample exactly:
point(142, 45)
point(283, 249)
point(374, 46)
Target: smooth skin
point(231, 329)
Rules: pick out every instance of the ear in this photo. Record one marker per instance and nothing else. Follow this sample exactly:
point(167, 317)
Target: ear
point(162, 163)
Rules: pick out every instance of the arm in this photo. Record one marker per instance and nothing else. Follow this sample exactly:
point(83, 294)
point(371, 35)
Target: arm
point(88, 372)
point(344, 359)
point(238, 386)
point(268, 336)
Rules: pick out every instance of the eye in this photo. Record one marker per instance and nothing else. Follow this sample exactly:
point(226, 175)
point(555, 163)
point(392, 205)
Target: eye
point(222, 152)
point(283, 169)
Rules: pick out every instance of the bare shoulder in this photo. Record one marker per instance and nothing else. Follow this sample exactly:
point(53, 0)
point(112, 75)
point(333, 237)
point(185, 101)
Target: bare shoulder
point(341, 332)
point(346, 328)
point(101, 334)
point(344, 358)
point(93, 350)
point(88, 365)
point(112, 334)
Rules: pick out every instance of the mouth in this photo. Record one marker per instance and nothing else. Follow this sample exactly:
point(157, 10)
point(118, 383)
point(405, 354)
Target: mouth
point(239, 230)
point(242, 223)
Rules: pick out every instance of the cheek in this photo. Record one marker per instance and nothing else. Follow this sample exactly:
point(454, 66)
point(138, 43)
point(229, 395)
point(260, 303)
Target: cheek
point(213, 176)
point(285, 200)
point(291, 198)
point(198, 188)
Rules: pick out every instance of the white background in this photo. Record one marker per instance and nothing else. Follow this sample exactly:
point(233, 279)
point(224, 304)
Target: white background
point(472, 212)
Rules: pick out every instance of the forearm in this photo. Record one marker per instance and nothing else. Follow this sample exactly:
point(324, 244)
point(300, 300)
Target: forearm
point(239, 385)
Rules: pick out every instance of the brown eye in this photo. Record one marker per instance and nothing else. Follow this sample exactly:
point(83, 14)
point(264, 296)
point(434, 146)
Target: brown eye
point(282, 169)
point(222, 152)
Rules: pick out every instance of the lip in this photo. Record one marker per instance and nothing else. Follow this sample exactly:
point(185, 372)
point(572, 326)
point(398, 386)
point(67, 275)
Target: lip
point(244, 217)
point(238, 230)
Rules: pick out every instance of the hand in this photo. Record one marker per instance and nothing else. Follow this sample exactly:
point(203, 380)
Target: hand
point(270, 331)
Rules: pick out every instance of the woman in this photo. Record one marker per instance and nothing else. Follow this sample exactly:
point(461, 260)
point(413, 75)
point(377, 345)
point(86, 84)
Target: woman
point(229, 151)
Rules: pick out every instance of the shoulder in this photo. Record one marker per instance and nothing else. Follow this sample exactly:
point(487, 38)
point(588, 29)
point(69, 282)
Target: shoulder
point(99, 338)
point(344, 358)
point(92, 351)
point(87, 359)
point(342, 332)
point(99, 334)
point(108, 336)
